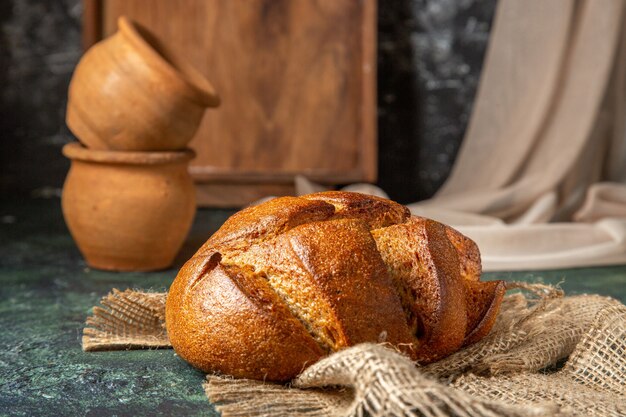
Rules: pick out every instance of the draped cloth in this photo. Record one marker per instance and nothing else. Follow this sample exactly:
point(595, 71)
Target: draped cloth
point(539, 180)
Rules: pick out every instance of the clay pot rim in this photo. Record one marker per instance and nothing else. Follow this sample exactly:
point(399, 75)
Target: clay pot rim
point(150, 47)
point(78, 152)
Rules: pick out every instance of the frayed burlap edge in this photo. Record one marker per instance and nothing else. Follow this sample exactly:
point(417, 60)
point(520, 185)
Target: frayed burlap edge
point(127, 320)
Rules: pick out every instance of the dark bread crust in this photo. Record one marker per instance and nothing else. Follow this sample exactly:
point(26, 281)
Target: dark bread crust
point(229, 320)
point(283, 283)
point(419, 254)
point(346, 269)
point(265, 221)
point(375, 211)
point(483, 301)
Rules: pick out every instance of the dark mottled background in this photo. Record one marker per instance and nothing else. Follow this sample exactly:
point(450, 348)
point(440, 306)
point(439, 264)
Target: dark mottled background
point(430, 56)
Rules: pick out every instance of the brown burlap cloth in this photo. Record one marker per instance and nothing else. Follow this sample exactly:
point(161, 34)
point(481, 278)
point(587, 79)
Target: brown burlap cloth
point(546, 355)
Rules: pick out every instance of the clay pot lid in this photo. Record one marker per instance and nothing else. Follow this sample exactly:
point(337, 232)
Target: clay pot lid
point(148, 45)
point(76, 151)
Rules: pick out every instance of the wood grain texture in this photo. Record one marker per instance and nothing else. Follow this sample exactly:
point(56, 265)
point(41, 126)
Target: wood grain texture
point(297, 79)
point(234, 195)
point(92, 23)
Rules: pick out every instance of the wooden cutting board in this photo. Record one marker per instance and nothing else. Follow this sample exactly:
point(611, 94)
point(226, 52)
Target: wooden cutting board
point(297, 80)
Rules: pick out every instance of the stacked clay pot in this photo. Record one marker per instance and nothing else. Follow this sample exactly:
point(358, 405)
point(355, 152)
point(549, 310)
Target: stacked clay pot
point(128, 199)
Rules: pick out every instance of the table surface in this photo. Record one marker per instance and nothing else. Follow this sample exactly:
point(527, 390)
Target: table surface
point(47, 291)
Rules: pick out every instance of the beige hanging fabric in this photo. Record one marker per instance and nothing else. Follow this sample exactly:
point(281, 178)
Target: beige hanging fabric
point(547, 355)
point(545, 116)
point(546, 130)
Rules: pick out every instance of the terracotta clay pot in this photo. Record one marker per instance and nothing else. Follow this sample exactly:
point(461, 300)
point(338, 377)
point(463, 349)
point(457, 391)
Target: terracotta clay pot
point(128, 211)
point(130, 93)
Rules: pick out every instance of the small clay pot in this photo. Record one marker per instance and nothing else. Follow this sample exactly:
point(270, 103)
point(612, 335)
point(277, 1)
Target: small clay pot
point(130, 93)
point(128, 211)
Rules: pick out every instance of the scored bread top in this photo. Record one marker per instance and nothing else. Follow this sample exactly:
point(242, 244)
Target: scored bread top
point(283, 283)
